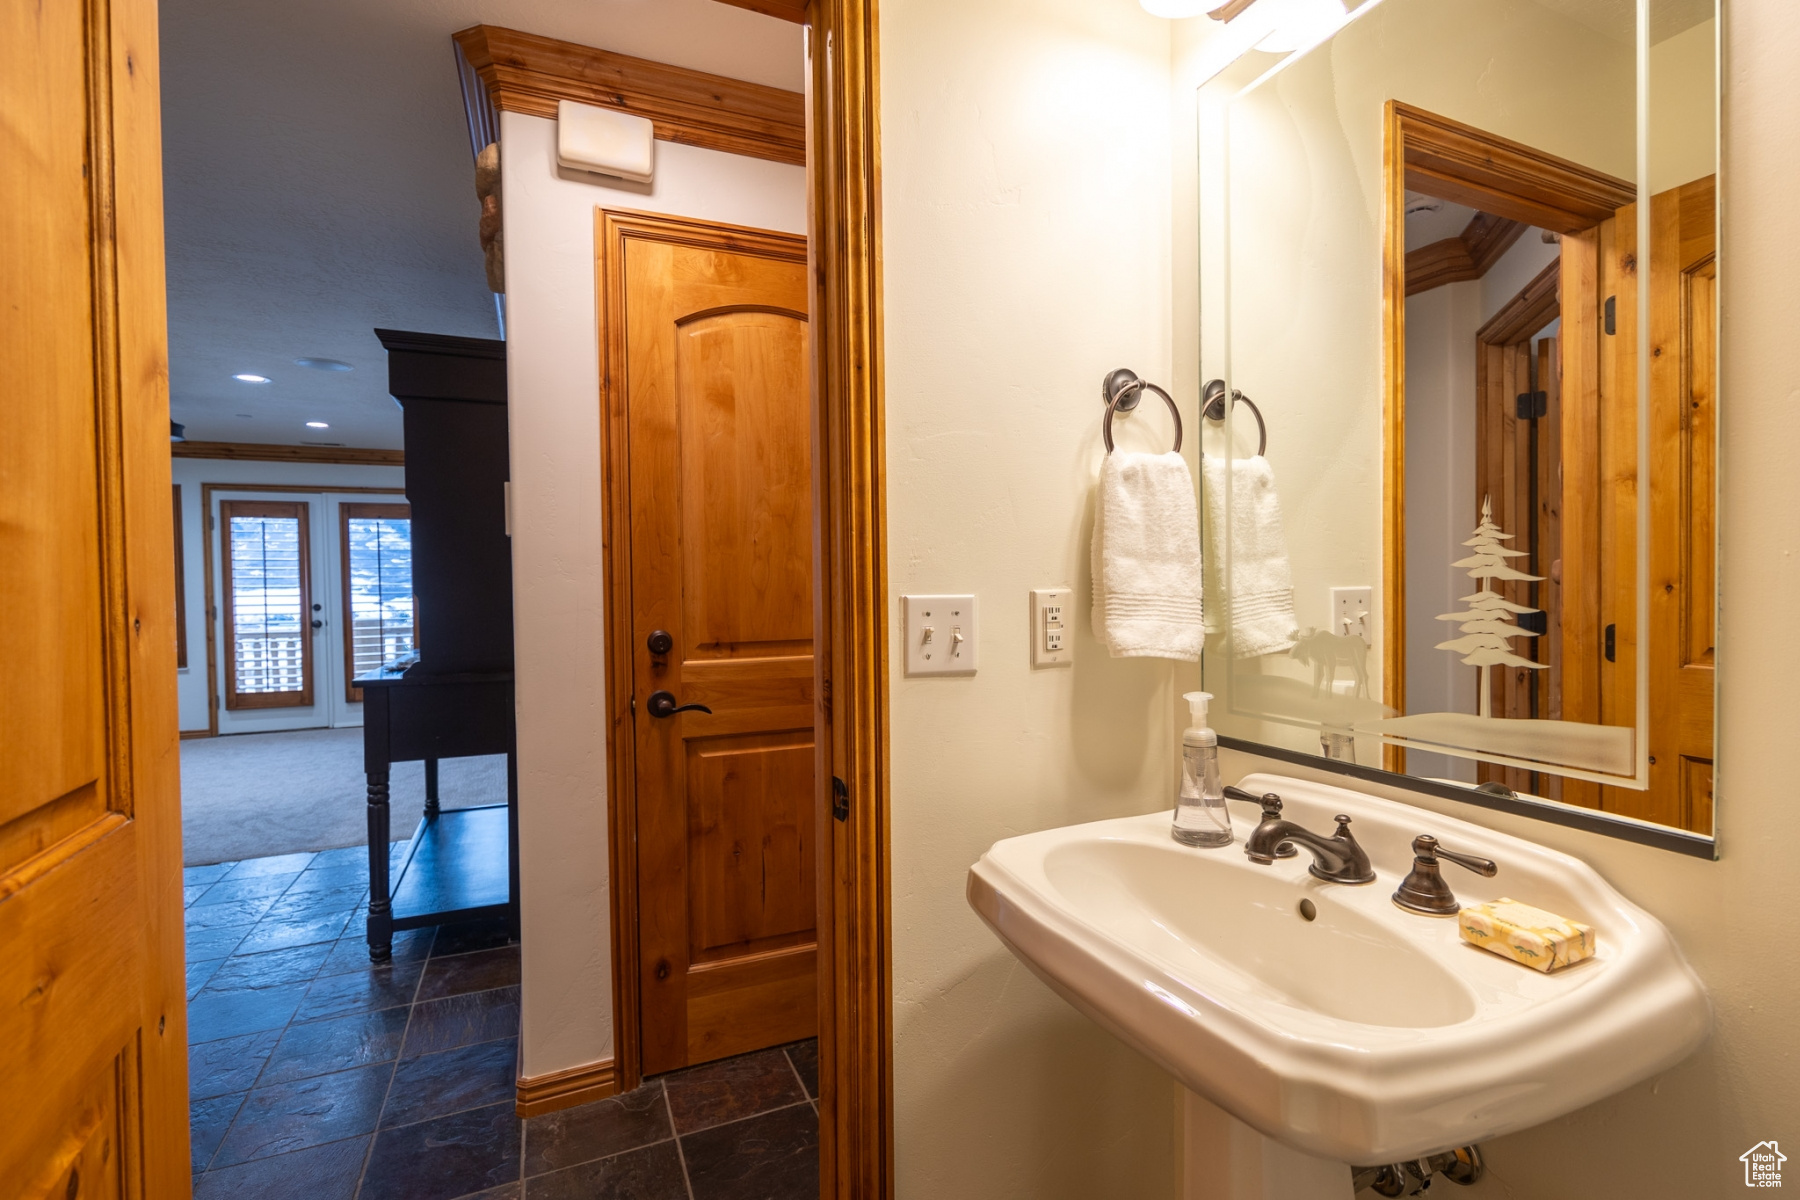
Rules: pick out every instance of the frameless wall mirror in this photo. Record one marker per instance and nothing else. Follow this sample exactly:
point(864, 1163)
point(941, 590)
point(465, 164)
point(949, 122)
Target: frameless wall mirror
point(1461, 257)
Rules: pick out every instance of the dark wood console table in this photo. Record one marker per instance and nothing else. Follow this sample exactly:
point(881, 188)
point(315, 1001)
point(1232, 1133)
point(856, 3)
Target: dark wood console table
point(457, 699)
point(462, 863)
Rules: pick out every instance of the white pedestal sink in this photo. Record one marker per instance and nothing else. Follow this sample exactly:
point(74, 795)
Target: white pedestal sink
point(1317, 1024)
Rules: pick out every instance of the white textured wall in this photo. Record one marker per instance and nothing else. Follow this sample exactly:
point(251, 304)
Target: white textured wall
point(1678, 1136)
point(1440, 499)
point(553, 396)
point(1026, 239)
point(192, 474)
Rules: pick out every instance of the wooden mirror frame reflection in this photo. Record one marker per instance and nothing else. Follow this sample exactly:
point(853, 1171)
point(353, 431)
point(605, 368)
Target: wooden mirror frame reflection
point(1595, 217)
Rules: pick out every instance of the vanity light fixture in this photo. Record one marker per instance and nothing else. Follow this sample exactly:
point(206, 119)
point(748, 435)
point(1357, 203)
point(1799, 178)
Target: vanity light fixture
point(246, 377)
point(317, 425)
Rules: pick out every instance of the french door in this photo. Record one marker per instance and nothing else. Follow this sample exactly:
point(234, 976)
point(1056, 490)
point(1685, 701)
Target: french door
point(310, 590)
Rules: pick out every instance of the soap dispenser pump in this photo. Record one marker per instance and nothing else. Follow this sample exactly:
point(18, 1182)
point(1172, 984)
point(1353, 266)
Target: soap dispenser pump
point(1200, 816)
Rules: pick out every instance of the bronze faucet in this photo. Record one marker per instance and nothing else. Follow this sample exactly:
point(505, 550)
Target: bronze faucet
point(1424, 890)
point(1336, 859)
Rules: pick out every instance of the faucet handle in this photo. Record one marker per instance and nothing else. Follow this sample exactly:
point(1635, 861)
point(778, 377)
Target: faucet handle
point(1424, 890)
point(1271, 811)
point(1271, 803)
point(1426, 846)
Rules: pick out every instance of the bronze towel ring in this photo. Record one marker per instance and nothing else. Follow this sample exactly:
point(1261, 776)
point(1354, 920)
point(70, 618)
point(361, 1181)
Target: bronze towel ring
point(1212, 407)
point(1121, 390)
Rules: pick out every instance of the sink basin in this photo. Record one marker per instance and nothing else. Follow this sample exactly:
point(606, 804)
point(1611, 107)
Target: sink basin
point(1323, 1015)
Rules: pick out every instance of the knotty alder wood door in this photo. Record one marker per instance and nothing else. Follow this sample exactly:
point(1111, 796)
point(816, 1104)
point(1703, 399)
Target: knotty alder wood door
point(93, 1035)
point(707, 386)
point(1682, 468)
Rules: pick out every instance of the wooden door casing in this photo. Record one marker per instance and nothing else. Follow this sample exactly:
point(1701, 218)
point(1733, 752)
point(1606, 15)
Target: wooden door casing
point(294, 510)
point(709, 457)
point(93, 1034)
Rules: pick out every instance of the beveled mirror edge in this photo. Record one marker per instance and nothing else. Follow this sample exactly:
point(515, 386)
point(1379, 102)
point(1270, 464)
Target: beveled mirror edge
point(1661, 837)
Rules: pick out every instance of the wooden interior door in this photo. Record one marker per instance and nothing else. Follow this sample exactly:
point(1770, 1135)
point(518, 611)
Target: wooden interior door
point(1681, 478)
point(706, 327)
point(93, 1030)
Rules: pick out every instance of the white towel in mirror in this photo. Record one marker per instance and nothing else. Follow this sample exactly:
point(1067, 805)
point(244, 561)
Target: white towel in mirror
point(1259, 599)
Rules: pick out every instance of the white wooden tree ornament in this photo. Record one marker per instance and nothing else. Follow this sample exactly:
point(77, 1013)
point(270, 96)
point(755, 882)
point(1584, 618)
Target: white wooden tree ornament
point(1487, 625)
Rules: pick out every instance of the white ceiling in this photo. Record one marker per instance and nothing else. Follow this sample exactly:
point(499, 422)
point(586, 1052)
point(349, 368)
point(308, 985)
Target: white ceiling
point(1434, 225)
point(318, 183)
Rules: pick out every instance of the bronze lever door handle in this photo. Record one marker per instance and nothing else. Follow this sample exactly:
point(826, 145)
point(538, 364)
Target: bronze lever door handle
point(662, 704)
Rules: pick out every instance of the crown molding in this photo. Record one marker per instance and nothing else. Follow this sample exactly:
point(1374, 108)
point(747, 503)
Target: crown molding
point(786, 10)
point(263, 452)
point(525, 73)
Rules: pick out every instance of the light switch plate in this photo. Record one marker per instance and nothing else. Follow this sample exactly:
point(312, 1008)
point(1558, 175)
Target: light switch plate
point(940, 634)
point(1350, 612)
point(1052, 627)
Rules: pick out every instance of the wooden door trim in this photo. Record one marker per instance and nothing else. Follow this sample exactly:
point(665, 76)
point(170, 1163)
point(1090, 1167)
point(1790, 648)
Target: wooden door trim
point(1433, 154)
point(526, 73)
point(613, 230)
point(856, 1118)
point(206, 564)
point(233, 700)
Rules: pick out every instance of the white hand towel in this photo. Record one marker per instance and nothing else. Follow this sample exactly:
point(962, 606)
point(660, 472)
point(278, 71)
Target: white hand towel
point(1146, 558)
point(1259, 600)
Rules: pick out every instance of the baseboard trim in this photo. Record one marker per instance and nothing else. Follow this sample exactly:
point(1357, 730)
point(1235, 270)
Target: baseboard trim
point(542, 1094)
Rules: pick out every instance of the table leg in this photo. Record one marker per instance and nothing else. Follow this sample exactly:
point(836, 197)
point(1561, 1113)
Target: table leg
point(431, 787)
point(381, 905)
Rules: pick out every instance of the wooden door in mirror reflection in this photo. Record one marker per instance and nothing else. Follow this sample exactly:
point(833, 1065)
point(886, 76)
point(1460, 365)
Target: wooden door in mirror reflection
point(709, 424)
point(1681, 480)
point(93, 1034)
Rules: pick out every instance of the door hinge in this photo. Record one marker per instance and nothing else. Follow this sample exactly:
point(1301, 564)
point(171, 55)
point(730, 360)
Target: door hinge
point(1532, 405)
point(1612, 314)
point(840, 799)
point(1612, 643)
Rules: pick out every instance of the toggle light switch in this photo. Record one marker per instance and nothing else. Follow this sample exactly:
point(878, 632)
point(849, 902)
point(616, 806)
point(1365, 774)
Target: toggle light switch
point(939, 633)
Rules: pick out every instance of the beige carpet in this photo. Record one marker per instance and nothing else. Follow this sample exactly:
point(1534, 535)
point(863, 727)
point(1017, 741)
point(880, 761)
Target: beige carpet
point(256, 794)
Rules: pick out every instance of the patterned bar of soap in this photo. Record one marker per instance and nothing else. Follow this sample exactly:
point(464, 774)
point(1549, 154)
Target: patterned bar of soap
point(1540, 940)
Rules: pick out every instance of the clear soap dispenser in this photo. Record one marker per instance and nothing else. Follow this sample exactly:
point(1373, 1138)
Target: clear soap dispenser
point(1200, 816)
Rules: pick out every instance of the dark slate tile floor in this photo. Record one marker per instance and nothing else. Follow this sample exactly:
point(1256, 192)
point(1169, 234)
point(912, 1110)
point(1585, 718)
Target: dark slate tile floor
point(315, 1074)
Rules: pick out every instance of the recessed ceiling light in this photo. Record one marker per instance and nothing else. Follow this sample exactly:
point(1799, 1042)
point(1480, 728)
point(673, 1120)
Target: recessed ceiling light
point(317, 425)
point(248, 378)
point(324, 364)
point(247, 416)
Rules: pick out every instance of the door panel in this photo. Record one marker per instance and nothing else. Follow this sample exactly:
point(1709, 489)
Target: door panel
point(712, 343)
point(92, 1020)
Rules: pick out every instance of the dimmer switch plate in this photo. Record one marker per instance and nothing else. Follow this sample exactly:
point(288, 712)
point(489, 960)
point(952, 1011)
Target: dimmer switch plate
point(940, 634)
point(1052, 627)
point(1350, 612)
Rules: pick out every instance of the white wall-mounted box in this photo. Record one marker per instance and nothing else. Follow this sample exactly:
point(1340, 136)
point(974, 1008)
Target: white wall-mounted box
point(605, 141)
